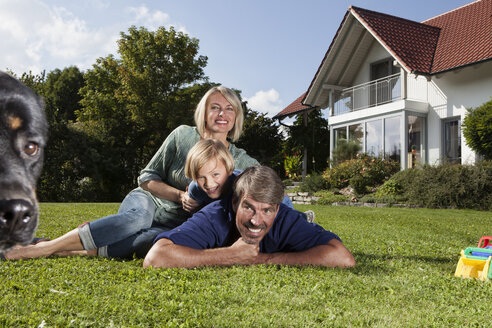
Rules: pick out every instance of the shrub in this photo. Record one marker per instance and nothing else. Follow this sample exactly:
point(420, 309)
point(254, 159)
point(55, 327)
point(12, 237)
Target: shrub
point(389, 188)
point(293, 166)
point(313, 183)
point(329, 197)
point(373, 198)
point(477, 129)
point(447, 185)
point(361, 173)
point(287, 182)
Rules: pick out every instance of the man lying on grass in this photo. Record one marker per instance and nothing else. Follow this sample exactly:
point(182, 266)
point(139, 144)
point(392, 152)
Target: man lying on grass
point(250, 227)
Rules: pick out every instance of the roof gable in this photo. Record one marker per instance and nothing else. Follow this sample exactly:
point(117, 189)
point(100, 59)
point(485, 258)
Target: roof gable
point(412, 43)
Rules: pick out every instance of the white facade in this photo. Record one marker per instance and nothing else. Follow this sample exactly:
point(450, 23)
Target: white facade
point(427, 110)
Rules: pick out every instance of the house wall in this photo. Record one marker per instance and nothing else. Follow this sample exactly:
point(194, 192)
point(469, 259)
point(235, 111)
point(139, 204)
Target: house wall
point(376, 53)
point(449, 95)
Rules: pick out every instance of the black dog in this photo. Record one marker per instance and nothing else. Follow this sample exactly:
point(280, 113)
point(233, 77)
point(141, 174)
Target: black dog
point(23, 134)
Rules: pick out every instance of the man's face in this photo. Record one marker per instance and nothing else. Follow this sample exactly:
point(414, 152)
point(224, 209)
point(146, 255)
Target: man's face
point(254, 219)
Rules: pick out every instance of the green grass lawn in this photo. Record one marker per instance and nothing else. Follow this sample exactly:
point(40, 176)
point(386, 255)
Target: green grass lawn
point(404, 278)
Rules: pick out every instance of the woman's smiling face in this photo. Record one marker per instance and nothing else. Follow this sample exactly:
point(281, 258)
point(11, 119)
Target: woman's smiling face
point(220, 116)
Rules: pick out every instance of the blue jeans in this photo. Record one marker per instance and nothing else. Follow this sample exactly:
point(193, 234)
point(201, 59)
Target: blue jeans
point(138, 244)
point(136, 213)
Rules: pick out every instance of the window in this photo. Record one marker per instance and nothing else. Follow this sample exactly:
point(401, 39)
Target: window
point(452, 141)
point(374, 137)
point(392, 145)
point(340, 134)
point(356, 135)
point(415, 137)
point(382, 91)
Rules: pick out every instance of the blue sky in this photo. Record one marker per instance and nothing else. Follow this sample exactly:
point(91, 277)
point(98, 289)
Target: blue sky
point(269, 49)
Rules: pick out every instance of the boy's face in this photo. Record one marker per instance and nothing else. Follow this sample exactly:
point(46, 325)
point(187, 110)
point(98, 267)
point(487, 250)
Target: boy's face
point(212, 178)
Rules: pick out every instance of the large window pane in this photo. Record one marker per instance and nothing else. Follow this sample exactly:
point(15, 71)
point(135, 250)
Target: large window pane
point(452, 141)
point(392, 146)
point(356, 135)
point(340, 134)
point(374, 136)
point(415, 128)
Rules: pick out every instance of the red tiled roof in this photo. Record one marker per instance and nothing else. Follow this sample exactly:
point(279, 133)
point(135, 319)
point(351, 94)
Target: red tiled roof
point(412, 43)
point(466, 36)
point(459, 37)
point(295, 107)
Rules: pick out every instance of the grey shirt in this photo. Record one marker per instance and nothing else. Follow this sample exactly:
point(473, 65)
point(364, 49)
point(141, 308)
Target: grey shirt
point(168, 165)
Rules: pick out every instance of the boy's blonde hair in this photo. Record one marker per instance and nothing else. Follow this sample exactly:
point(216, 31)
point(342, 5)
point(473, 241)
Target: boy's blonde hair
point(233, 99)
point(204, 151)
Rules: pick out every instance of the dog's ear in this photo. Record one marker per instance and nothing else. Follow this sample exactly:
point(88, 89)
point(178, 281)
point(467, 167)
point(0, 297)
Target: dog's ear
point(22, 107)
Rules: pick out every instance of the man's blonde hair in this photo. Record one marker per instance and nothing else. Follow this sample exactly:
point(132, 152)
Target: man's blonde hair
point(204, 151)
point(233, 99)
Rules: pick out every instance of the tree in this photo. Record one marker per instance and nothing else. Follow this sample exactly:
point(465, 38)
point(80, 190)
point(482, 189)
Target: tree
point(61, 94)
point(313, 136)
point(132, 103)
point(261, 139)
point(477, 129)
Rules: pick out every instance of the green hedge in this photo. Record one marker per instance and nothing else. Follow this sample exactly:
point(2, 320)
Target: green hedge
point(444, 186)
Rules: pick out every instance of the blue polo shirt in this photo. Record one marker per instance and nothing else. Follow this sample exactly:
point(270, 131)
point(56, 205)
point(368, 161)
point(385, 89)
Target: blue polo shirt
point(215, 226)
point(202, 198)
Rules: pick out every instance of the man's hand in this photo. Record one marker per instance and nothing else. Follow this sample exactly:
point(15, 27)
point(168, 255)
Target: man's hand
point(245, 253)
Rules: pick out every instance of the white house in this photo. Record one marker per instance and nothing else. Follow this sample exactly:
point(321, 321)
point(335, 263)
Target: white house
point(400, 88)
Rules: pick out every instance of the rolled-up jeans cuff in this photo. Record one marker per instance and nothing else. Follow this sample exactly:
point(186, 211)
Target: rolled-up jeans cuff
point(103, 251)
point(86, 237)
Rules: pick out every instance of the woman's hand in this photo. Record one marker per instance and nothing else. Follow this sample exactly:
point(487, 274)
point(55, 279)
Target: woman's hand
point(189, 204)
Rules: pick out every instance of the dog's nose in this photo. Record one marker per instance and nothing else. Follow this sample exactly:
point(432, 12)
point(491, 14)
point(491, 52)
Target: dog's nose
point(14, 213)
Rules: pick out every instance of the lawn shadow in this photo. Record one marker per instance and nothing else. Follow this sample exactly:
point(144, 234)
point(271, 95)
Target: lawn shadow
point(377, 264)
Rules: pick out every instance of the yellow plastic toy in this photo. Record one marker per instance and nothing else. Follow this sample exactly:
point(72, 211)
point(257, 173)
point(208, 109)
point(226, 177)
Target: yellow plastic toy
point(471, 266)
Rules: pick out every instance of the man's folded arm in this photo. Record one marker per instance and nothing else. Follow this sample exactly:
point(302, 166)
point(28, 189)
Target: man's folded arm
point(166, 254)
point(333, 254)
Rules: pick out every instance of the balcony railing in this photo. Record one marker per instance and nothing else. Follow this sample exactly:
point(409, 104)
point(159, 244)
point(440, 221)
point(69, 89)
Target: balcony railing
point(373, 93)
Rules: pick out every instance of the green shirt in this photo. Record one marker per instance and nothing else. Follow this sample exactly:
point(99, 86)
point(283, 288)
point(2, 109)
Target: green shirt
point(168, 165)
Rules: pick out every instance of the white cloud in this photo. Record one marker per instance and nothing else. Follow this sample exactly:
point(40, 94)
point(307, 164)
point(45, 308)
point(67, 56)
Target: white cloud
point(152, 19)
point(266, 102)
point(38, 37)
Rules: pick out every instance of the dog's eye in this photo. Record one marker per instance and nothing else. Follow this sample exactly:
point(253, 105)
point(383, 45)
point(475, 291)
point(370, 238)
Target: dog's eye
point(31, 148)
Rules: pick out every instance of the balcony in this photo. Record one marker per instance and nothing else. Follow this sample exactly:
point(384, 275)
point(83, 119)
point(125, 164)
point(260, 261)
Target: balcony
point(373, 93)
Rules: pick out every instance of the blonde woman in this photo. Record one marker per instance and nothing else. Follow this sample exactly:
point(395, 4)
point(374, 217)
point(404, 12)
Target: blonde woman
point(161, 200)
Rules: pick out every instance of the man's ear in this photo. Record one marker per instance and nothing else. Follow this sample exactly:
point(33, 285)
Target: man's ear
point(278, 208)
point(236, 201)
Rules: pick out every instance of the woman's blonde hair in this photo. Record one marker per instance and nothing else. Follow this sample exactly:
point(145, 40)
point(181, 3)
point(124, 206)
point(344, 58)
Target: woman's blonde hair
point(233, 99)
point(204, 151)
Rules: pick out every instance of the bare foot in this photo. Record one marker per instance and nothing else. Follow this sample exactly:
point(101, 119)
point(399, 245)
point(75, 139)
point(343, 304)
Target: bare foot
point(40, 249)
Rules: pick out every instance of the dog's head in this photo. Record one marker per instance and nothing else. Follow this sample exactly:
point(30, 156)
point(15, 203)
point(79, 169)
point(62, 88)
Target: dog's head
point(23, 134)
